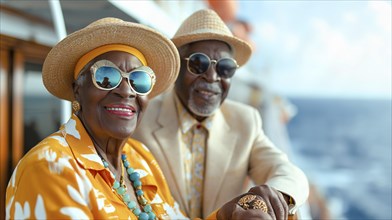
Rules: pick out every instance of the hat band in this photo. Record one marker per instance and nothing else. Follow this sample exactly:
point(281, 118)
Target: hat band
point(103, 49)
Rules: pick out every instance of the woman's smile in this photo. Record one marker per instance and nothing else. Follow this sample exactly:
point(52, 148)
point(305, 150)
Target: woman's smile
point(121, 110)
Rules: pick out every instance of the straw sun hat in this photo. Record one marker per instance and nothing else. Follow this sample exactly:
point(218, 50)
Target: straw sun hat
point(160, 53)
point(205, 24)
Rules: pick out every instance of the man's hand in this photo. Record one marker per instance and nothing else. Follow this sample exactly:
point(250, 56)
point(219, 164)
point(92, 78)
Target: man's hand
point(231, 210)
point(277, 206)
point(240, 213)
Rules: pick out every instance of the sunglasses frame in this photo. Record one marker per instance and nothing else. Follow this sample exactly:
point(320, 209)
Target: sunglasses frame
point(209, 65)
point(107, 63)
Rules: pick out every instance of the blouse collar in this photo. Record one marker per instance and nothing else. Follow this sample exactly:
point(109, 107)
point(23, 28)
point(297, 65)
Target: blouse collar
point(81, 144)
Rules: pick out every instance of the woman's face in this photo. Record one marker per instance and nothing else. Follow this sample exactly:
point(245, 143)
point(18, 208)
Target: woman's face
point(114, 113)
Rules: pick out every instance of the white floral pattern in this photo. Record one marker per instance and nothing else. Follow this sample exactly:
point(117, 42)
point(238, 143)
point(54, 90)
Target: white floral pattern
point(70, 128)
point(39, 211)
point(22, 213)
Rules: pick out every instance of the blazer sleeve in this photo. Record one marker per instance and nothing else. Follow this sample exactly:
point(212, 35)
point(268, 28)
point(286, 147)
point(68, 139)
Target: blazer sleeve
point(269, 165)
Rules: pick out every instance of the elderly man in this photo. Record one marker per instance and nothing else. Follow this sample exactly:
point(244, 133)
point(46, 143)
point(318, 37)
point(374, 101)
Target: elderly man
point(207, 146)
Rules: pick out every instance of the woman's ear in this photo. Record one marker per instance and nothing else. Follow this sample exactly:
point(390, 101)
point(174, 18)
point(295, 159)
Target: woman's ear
point(75, 87)
point(77, 84)
point(76, 105)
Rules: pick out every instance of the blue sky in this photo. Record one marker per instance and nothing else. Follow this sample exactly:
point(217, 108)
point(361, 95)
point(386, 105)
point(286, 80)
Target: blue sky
point(321, 48)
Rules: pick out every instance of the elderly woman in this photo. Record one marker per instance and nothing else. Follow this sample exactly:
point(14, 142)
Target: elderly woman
point(91, 168)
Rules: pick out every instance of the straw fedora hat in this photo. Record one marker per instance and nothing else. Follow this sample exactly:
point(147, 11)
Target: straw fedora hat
point(160, 53)
point(206, 24)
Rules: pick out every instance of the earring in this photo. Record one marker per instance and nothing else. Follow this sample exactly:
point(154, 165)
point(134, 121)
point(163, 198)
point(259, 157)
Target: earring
point(75, 106)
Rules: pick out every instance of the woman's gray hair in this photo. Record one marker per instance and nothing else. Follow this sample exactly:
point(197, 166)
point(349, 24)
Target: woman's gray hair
point(82, 75)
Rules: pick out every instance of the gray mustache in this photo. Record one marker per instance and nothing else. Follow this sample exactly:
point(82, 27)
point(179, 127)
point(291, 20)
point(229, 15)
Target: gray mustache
point(213, 87)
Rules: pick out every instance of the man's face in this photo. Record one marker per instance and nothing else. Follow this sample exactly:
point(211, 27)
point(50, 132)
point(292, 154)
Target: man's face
point(202, 94)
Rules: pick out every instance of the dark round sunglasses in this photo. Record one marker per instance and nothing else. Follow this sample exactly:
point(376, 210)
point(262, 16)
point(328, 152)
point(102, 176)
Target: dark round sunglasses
point(199, 63)
point(107, 76)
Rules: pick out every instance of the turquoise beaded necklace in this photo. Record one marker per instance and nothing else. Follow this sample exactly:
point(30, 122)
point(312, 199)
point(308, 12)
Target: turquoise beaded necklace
point(121, 189)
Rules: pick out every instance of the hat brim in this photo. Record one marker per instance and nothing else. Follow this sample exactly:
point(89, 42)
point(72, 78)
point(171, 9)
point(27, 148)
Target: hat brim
point(159, 51)
point(241, 50)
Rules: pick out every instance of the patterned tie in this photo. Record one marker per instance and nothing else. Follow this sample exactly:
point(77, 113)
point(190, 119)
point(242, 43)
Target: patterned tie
point(198, 149)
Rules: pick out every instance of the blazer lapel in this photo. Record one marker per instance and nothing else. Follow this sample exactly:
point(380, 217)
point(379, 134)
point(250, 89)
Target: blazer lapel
point(219, 154)
point(170, 147)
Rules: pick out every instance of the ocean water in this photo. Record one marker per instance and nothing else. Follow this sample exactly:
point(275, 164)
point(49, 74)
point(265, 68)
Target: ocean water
point(344, 146)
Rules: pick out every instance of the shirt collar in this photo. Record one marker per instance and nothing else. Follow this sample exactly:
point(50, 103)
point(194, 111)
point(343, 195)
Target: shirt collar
point(186, 120)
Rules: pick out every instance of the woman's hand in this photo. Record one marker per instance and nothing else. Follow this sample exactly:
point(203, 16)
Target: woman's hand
point(265, 195)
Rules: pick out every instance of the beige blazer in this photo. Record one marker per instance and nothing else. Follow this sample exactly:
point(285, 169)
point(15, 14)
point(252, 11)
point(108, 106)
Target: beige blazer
point(236, 148)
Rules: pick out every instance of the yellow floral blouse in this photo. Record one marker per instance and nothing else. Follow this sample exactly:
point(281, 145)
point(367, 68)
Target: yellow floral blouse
point(64, 178)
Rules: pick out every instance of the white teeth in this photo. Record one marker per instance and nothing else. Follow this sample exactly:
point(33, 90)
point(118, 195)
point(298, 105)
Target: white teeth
point(206, 93)
point(119, 109)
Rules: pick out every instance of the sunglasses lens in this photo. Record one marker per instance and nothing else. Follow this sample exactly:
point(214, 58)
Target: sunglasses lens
point(140, 81)
point(107, 77)
point(198, 63)
point(226, 68)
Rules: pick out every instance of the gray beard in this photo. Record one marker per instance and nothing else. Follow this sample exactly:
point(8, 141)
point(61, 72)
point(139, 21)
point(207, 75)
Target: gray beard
point(203, 111)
